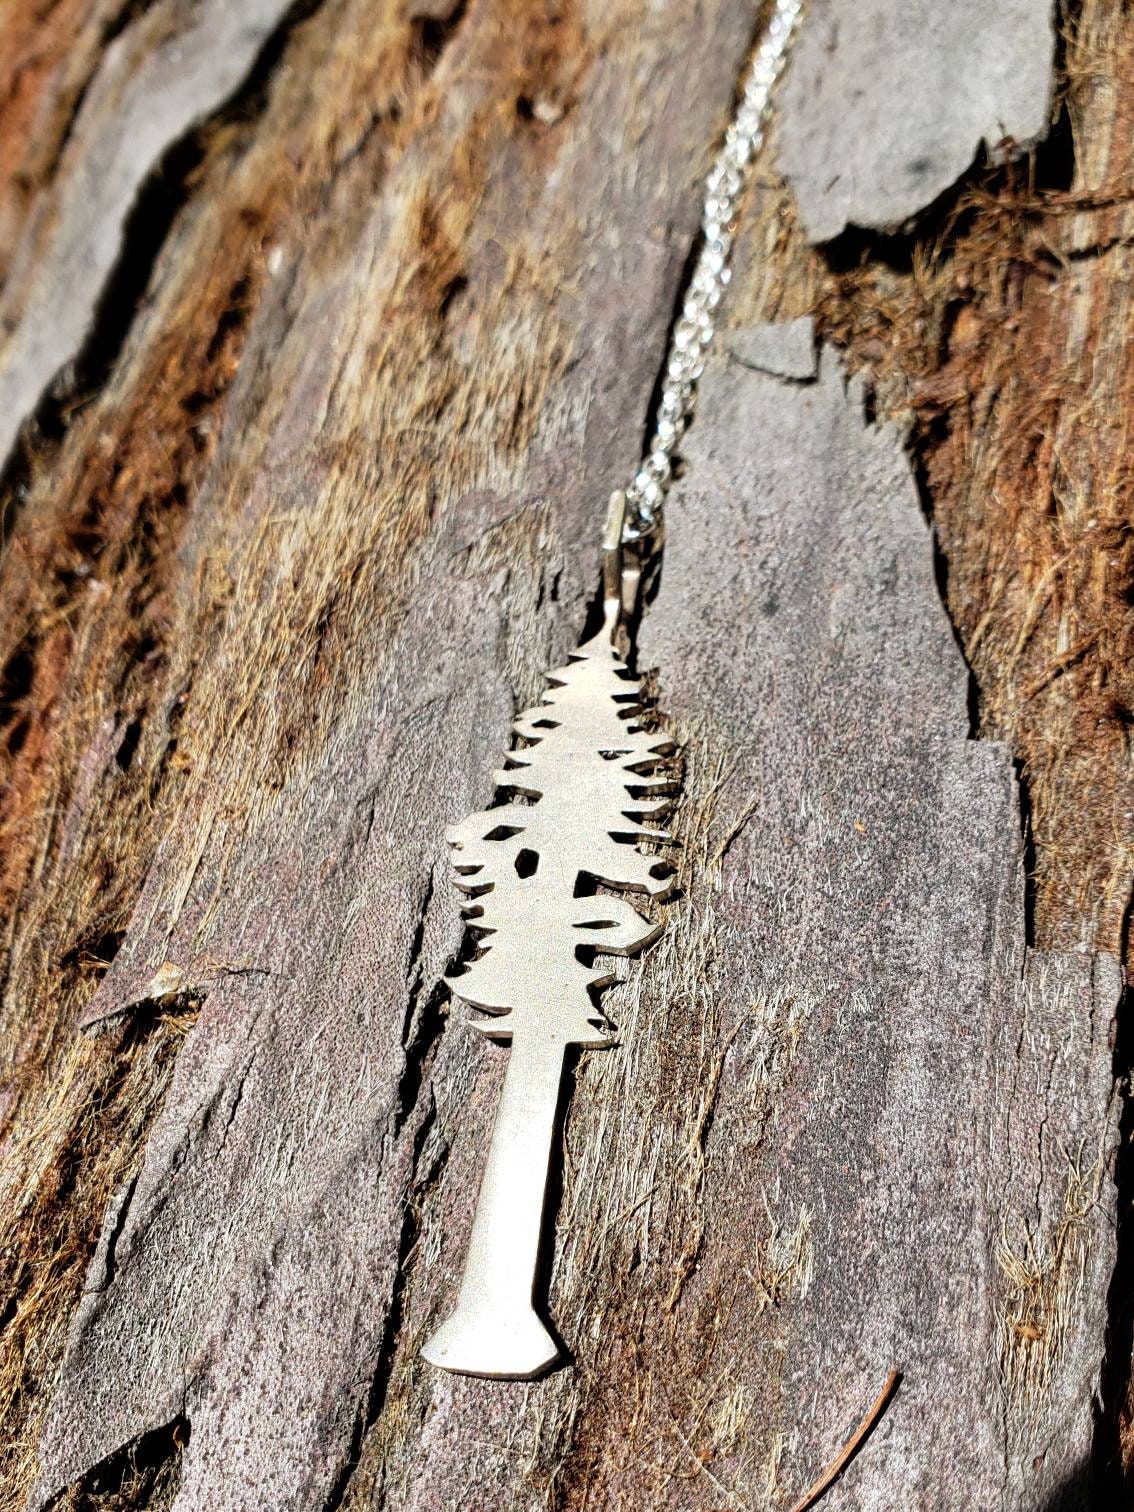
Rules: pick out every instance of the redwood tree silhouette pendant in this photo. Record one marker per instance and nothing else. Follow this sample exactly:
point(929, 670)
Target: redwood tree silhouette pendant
point(590, 775)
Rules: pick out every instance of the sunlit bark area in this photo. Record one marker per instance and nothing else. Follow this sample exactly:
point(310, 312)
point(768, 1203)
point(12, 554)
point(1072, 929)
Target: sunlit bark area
point(325, 331)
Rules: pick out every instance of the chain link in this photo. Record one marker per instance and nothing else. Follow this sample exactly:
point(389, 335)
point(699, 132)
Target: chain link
point(694, 330)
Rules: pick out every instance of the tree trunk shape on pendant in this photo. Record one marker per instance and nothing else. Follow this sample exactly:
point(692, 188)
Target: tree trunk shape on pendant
point(494, 1329)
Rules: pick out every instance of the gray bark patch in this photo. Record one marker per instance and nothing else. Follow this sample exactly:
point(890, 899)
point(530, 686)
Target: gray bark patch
point(783, 351)
point(921, 1107)
point(886, 103)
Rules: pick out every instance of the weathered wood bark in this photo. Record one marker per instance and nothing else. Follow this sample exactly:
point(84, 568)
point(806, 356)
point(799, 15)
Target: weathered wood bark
point(348, 367)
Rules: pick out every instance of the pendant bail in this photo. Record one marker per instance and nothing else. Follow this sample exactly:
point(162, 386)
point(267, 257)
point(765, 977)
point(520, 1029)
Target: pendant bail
point(621, 571)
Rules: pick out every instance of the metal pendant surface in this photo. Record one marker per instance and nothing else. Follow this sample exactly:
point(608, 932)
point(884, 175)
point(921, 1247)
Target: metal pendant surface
point(591, 775)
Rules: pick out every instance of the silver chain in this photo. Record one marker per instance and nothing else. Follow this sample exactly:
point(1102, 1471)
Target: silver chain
point(694, 330)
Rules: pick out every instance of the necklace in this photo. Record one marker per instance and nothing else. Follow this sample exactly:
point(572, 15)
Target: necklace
point(587, 785)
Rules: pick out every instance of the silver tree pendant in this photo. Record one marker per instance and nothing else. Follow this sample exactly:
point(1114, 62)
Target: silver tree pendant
point(594, 780)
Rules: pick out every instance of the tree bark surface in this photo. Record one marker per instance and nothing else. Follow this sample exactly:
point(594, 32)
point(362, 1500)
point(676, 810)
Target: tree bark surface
point(313, 405)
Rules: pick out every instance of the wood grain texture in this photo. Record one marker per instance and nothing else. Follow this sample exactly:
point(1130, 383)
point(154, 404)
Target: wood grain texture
point(399, 341)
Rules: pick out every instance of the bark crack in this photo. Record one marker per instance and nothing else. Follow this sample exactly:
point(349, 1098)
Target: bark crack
point(423, 1030)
